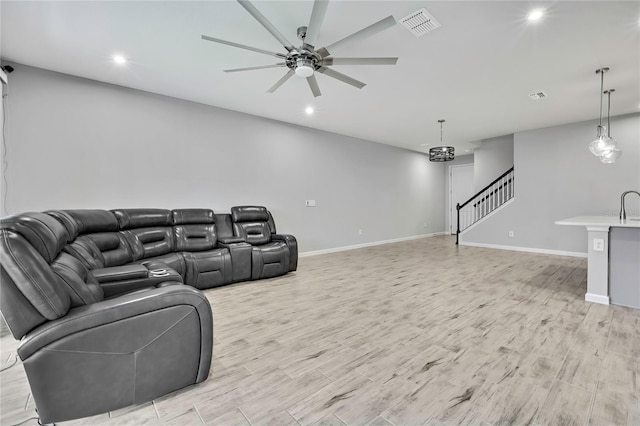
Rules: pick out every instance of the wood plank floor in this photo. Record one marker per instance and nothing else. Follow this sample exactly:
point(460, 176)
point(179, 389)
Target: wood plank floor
point(412, 333)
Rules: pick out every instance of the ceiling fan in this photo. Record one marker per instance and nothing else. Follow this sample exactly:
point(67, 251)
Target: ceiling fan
point(306, 59)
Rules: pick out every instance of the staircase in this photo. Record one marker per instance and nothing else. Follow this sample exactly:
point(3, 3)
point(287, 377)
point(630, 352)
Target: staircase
point(485, 201)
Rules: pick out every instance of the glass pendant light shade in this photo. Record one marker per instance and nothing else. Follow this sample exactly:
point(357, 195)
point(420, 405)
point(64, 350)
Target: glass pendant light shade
point(603, 143)
point(610, 156)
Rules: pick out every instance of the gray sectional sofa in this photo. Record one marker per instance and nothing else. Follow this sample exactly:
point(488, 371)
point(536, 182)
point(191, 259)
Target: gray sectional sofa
point(107, 304)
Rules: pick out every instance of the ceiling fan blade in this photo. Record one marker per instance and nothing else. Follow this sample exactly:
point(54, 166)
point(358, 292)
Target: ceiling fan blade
point(261, 67)
point(359, 61)
point(339, 76)
point(372, 29)
point(315, 22)
point(280, 82)
point(313, 85)
point(242, 46)
point(266, 24)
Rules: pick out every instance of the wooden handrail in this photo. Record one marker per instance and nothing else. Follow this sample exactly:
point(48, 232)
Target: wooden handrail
point(486, 187)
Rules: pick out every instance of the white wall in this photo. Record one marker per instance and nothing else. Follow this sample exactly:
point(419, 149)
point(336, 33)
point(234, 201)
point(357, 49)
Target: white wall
point(77, 143)
point(492, 158)
point(459, 160)
point(556, 177)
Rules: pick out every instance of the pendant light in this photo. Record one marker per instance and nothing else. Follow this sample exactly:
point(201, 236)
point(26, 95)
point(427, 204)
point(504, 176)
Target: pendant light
point(610, 155)
point(603, 143)
point(441, 153)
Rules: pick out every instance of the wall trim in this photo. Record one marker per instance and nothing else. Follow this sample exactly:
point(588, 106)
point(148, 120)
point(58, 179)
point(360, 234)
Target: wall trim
point(526, 249)
point(596, 298)
point(374, 243)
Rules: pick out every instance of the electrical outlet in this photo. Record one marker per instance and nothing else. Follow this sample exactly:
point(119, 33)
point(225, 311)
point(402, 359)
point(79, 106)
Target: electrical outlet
point(598, 244)
point(425, 225)
point(360, 231)
point(511, 234)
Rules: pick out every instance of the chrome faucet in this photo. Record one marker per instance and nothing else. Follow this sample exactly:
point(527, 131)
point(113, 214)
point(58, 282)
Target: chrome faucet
point(623, 213)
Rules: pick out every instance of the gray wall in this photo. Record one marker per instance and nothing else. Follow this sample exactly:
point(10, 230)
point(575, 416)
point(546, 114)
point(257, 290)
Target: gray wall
point(77, 143)
point(492, 158)
point(556, 177)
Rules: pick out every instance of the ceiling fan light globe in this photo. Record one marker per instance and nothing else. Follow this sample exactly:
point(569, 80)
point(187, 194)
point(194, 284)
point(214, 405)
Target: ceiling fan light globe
point(304, 71)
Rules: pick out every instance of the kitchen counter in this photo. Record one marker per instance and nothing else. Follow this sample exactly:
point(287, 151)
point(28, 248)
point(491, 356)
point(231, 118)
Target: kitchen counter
point(632, 222)
point(613, 261)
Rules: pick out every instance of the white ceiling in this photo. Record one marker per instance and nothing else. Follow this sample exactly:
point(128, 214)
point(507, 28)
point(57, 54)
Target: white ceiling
point(476, 71)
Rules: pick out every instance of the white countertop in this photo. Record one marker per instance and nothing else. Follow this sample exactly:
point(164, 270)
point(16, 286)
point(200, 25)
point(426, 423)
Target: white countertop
point(600, 221)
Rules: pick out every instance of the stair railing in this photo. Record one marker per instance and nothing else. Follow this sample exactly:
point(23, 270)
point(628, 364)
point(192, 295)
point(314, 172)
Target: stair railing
point(485, 201)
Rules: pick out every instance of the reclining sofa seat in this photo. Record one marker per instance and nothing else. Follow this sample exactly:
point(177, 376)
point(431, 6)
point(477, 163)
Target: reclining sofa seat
point(272, 254)
point(195, 236)
point(84, 354)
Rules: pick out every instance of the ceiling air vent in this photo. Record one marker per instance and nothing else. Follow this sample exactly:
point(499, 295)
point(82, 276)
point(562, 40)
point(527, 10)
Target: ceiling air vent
point(420, 22)
point(538, 95)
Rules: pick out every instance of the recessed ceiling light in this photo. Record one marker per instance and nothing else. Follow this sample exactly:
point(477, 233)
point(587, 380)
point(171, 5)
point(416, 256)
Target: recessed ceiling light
point(309, 110)
point(119, 59)
point(534, 15)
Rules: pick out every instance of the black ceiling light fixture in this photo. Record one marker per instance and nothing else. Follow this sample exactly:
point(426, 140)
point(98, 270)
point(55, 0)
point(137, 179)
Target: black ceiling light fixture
point(441, 153)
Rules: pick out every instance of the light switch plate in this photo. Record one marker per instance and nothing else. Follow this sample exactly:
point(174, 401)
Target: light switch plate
point(310, 203)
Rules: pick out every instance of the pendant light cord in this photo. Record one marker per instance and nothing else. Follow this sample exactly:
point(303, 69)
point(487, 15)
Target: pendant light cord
point(609, 113)
point(601, 90)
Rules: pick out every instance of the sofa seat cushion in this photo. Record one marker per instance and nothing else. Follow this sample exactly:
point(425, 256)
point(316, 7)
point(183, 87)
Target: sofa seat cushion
point(206, 269)
point(269, 260)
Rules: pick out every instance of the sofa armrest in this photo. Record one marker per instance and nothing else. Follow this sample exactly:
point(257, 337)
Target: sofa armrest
point(119, 280)
point(119, 273)
point(292, 243)
point(117, 309)
point(119, 352)
point(230, 240)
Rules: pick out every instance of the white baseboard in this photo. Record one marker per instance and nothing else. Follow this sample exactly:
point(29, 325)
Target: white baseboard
point(526, 249)
point(596, 298)
point(375, 243)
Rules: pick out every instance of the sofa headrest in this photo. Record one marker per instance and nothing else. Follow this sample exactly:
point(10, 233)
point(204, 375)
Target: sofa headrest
point(43, 232)
point(92, 221)
point(249, 214)
point(142, 218)
point(192, 216)
point(67, 221)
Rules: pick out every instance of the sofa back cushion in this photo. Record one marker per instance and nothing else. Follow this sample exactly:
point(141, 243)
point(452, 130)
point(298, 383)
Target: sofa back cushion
point(194, 229)
point(224, 225)
point(142, 218)
point(31, 292)
point(147, 231)
point(90, 221)
point(251, 223)
point(70, 224)
point(80, 285)
point(105, 249)
point(150, 242)
point(42, 231)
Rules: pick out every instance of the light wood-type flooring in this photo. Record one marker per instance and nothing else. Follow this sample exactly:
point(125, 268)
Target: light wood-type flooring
point(417, 332)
